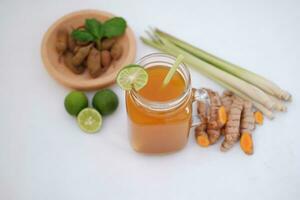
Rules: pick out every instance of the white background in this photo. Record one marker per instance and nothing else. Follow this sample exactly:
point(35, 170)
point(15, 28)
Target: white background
point(45, 156)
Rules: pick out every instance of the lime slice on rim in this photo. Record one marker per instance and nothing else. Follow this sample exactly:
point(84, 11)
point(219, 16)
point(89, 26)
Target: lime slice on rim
point(89, 120)
point(132, 77)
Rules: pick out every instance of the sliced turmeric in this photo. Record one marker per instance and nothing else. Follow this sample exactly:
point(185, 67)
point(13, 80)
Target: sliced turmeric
point(201, 137)
point(259, 117)
point(246, 143)
point(246, 127)
point(222, 116)
point(232, 128)
point(200, 131)
point(226, 100)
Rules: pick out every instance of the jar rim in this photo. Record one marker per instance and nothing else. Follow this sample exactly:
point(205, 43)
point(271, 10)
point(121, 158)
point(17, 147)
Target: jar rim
point(170, 104)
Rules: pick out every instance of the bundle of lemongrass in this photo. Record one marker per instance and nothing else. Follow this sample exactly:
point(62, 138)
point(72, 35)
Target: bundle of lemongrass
point(264, 94)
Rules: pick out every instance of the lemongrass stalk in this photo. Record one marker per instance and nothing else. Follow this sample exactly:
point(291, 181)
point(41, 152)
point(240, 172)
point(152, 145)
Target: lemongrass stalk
point(260, 107)
point(172, 70)
point(214, 73)
point(251, 77)
point(267, 112)
point(279, 105)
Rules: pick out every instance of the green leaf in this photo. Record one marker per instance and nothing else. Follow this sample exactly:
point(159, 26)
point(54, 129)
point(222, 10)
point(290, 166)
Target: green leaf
point(114, 27)
point(94, 27)
point(82, 36)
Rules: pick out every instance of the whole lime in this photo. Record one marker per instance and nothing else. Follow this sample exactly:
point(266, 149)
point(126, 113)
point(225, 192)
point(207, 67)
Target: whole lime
point(75, 101)
point(105, 101)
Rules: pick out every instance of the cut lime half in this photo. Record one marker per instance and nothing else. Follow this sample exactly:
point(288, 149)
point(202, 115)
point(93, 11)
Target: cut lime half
point(89, 120)
point(132, 77)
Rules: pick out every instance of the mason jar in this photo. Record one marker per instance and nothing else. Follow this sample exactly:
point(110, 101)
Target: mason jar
point(161, 126)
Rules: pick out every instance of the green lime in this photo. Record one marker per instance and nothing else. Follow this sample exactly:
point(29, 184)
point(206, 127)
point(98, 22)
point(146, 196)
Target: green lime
point(105, 101)
point(89, 120)
point(75, 101)
point(132, 76)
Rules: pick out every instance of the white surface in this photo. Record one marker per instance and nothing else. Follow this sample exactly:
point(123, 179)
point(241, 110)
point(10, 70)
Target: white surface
point(44, 155)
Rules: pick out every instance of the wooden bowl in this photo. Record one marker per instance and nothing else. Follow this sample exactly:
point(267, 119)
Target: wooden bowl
point(62, 74)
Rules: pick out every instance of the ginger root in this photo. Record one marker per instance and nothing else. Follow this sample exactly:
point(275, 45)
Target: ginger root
point(232, 128)
point(200, 131)
point(259, 117)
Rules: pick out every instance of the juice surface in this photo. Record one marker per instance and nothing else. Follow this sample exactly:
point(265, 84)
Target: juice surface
point(155, 91)
point(159, 132)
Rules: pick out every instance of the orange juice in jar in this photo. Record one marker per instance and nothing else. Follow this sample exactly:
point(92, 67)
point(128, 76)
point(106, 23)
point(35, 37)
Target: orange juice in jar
point(160, 116)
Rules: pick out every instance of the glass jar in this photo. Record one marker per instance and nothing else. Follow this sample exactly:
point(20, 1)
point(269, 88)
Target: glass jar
point(160, 127)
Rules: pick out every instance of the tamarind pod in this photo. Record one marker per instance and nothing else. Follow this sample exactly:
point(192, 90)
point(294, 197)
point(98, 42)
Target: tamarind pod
point(61, 41)
point(107, 43)
point(94, 63)
point(116, 51)
point(80, 55)
point(68, 62)
point(105, 58)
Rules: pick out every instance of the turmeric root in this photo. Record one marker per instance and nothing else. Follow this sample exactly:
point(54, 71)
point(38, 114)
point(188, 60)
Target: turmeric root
point(200, 131)
point(246, 127)
point(226, 100)
point(246, 143)
point(201, 136)
point(259, 117)
point(247, 119)
point(223, 131)
point(217, 111)
point(214, 125)
point(232, 128)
